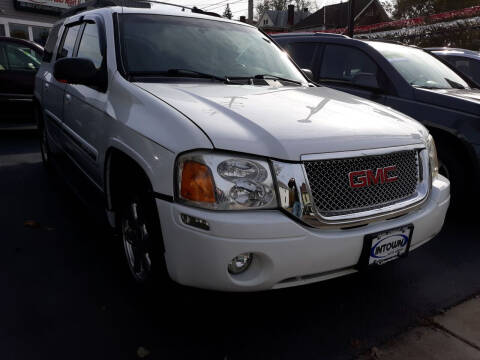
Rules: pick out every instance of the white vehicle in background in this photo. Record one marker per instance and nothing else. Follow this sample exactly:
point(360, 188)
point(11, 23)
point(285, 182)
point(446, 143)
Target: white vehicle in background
point(219, 162)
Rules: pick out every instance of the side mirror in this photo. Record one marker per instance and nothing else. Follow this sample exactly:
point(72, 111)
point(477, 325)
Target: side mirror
point(78, 71)
point(308, 73)
point(366, 80)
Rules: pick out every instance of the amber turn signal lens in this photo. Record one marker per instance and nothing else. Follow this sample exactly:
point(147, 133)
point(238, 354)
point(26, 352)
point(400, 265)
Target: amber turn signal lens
point(197, 183)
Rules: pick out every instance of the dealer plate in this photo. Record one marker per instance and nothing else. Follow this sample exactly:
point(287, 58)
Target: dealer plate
point(386, 246)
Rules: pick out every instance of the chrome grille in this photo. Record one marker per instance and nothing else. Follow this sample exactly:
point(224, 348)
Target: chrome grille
point(333, 196)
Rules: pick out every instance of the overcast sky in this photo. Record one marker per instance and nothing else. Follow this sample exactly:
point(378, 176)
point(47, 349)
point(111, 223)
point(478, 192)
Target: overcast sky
point(238, 7)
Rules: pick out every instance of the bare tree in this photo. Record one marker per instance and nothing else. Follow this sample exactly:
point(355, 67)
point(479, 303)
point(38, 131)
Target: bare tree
point(263, 6)
point(301, 5)
point(227, 13)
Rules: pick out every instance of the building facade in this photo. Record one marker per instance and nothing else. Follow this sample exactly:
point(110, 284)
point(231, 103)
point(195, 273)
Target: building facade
point(335, 16)
point(281, 20)
point(31, 19)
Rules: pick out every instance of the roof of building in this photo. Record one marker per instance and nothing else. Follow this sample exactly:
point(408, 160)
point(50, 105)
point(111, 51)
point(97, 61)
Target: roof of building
point(336, 15)
point(280, 17)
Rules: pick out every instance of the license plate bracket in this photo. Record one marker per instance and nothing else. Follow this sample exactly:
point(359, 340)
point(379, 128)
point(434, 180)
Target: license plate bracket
point(385, 246)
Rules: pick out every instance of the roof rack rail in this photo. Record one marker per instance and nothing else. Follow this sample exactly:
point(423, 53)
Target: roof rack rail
point(145, 4)
point(192, 9)
point(383, 40)
point(97, 4)
point(327, 34)
point(309, 33)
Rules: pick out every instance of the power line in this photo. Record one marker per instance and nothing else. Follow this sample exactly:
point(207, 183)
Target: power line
point(233, 12)
point(221, 2)
point(229, 3)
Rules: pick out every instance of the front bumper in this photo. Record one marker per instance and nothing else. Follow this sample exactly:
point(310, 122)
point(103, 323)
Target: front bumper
point(286, 252)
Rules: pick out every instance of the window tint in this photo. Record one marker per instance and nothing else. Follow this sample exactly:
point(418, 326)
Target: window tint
point(469, 67)
point(50, 45)
point(2, 30)
point(68, 44)
point(344, 63)
point(90, 45)
point(20, 58)
point(302, 54)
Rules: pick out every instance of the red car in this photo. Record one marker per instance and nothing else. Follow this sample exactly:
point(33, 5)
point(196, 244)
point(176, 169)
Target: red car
point(19, 62)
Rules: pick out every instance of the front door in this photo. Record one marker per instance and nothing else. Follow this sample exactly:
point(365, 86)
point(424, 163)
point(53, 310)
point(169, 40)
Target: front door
point(342, 66)
point(84, 108)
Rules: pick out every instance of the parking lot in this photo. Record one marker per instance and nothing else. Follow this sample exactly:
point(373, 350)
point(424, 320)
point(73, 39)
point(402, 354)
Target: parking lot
point(64, 294)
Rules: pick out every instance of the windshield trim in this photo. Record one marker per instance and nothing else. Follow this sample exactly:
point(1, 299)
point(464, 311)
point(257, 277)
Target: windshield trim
point(120, 51)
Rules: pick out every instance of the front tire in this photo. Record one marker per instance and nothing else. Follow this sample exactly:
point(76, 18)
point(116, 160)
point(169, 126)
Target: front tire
point(142, 245)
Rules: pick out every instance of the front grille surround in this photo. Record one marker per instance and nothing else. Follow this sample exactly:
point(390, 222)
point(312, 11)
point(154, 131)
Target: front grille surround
point(361, 216)
point(333, 196)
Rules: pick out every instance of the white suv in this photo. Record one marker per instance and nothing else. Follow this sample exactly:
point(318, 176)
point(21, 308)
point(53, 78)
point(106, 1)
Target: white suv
point(218, 161)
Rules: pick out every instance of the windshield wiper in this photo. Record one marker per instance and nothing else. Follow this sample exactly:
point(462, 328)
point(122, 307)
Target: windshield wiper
point(263, 77)
point(180, 72)
point(275, 77)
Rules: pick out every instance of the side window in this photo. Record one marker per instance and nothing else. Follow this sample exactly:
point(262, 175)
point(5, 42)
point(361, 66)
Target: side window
point(343, 63)
point(90, 45)
point(302, 53)
point(50, 45)
point(68, 42)
point(469, 67)
point(20, 58)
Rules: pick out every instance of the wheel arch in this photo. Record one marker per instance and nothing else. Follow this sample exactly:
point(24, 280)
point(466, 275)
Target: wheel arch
point(133, 162)
point(454, 138)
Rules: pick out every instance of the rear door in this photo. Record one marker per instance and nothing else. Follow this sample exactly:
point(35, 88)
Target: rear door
point(18, 65)
point(53, 90)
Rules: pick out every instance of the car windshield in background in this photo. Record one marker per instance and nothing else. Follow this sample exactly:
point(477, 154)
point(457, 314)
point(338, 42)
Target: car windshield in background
point(419, 68)
point(162, 45)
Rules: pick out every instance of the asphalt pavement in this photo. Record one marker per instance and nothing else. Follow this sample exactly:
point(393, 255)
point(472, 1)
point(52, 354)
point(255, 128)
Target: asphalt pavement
point(64, 293)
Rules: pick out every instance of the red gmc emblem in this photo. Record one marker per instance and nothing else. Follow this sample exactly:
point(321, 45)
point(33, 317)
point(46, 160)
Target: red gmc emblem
point(362, 178)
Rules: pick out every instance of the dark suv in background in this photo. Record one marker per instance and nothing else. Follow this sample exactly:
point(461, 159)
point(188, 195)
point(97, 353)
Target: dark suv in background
point(465, 61)
point(409, 80)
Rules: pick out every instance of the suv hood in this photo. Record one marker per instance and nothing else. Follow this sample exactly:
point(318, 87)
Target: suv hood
point(457, 99)
point(287, 122)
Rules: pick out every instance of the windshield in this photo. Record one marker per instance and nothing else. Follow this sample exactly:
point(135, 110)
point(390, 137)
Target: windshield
point(419, 68)
point(154, 44)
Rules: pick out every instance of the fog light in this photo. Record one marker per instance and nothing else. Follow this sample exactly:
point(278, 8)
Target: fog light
point(240, 263)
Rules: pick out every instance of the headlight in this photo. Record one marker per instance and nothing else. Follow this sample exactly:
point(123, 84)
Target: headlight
point(224, 182)
point(432, 154)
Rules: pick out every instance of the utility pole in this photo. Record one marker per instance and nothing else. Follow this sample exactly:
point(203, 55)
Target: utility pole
point(250, 12)
point(351, 18)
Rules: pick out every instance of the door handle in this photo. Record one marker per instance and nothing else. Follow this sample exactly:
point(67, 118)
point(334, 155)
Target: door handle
point(68, 98)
